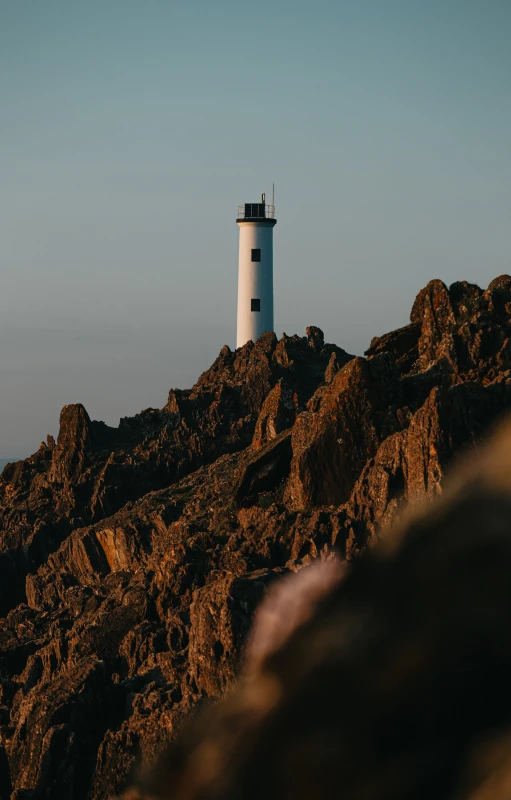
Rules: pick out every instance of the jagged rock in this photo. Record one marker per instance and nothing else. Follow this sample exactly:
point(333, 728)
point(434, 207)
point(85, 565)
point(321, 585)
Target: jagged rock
point(266, 469)
point(403, 344)
point(418, 630)
point(74, 444)
point(60, 725)
point(315, 338)
point(220, 615)
point(332, 442)
point(278, 412)
point(409, 466)
point(172, 402)
point(433, 305)
point(433, 311)
point(332, 368)
point(464, 296)
point(94, 470)
point(502, 282)
point(117, 545)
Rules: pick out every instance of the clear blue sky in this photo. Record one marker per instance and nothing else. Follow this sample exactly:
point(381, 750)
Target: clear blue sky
point(131, 129)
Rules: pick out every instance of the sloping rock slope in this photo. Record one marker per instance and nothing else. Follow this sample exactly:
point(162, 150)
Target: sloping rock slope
point(385, 679)
point(132, 559)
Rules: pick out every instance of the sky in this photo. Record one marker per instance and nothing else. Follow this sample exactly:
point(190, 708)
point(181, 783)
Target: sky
point(131, 129)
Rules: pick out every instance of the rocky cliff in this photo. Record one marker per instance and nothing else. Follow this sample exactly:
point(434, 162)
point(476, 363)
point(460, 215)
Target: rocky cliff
point(132, 559)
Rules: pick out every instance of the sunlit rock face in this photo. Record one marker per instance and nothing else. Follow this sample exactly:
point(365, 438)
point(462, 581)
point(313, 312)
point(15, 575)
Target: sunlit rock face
point(355, 671)
point(133, 558)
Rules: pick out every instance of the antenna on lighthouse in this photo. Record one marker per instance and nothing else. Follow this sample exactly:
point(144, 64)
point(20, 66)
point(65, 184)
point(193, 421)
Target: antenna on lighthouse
point(273, 195)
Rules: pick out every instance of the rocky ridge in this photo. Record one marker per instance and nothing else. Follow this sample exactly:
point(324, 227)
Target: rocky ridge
point(131, 559)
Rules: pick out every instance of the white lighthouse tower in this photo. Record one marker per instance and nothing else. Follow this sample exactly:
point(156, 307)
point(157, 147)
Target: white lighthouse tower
point(255, 270)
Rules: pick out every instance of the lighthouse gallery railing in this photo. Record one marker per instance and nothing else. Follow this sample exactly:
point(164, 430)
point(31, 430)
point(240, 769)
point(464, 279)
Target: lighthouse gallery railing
point(256, 211)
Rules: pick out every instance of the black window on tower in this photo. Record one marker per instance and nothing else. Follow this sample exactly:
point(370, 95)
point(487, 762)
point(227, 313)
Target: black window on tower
point(256, 254)
point(255, 305)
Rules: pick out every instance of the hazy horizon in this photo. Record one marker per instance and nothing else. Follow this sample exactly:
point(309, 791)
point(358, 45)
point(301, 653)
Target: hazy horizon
point(132, 131)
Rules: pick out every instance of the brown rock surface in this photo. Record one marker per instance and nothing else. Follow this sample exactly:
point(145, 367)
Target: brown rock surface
point(397, 685)
point(131, 559)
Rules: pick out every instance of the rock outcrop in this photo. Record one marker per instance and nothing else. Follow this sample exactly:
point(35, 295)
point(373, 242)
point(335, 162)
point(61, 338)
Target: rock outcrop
point(132, 558)
point(390, 681)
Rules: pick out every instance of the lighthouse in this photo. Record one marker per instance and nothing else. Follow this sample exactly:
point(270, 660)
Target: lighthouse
point(255, 270)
